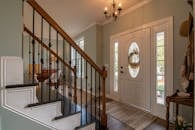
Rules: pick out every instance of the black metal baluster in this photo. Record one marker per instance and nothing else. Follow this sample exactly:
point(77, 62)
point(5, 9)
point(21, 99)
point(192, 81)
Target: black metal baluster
point(29, 52)
point(86, 91)
point(57, 61)
point(49, 63)
point(22, 45)
point(95, 95)
point(33, 46)
point(81, 90)
point(41, 59)
point(23, 32)
point(76, 77)
point(99, 100)
point(91, 88)
point(38, 58)
point(64, 79)
point(70, 81)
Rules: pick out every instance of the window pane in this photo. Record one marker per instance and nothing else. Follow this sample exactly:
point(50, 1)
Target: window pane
point(160, 39)
point(134, 60)
point(77, 58)
point(160, 68)
point(116, 66)
point(160, 91)
point(160, 53)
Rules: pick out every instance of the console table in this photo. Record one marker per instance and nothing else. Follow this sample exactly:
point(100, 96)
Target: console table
point(189, 101)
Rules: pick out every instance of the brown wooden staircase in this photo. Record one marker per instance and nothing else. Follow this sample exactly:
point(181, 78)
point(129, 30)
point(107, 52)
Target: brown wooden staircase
point(56, 73)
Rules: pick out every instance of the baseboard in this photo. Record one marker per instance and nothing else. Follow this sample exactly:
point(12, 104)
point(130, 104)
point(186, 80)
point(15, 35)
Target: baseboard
point(108, 96)
point(112, 97)
point(88, 91)
point(143, 109)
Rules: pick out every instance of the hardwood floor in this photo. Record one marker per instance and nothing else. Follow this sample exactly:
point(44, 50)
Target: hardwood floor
point(114, 124)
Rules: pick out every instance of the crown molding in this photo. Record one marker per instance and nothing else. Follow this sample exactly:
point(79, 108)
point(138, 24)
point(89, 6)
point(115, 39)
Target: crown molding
point(131, 9)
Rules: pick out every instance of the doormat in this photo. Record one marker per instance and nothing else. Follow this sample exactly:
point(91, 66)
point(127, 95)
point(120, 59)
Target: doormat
point(131, 116)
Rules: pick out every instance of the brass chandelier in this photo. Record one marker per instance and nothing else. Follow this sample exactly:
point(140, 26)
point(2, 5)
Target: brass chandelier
point(114, 11)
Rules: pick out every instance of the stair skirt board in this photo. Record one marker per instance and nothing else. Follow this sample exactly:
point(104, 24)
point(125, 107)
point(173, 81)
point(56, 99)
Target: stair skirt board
point(29, 117)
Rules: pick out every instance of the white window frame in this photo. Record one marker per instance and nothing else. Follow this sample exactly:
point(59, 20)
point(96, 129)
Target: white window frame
point(81, 43)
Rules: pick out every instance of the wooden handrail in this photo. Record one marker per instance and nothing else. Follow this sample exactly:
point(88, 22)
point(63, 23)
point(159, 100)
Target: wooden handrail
point(46, 47)
point(54, 24)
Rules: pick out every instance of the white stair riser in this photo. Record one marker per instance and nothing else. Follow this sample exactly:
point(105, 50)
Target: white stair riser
point(45, 113)
point(18, 98)
point(68, 123)
point(11, 70)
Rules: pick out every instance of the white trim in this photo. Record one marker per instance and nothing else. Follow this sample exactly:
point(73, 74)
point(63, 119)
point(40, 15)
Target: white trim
point(114, 95)
point(115, 36)
point(131, 9)
point(166, 27)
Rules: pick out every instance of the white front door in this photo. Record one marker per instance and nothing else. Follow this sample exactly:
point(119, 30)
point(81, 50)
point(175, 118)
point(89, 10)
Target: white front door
point(141, 66)
point(134, 68)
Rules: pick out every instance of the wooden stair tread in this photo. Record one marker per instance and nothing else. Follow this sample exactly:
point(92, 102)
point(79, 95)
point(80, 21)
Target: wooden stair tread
point(21, 85)
point(64, 116)
point(42, 103)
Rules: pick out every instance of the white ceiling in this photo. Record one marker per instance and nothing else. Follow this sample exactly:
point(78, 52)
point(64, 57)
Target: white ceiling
point(76, 15)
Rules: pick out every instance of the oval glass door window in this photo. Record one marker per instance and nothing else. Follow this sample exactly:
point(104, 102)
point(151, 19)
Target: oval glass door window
point(134, 60)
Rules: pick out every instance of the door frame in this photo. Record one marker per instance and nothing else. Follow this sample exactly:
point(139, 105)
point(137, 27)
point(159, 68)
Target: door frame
point(167, 27)
point(117, 36)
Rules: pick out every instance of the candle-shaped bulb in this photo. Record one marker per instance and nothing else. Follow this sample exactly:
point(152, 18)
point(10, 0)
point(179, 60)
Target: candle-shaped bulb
point(115, 13)
point(105, 9)
point(119, 5)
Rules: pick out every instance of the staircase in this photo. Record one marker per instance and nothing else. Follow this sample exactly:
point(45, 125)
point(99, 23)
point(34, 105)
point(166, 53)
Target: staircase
point(52, 87)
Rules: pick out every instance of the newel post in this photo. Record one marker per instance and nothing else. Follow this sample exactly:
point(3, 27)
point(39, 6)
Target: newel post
point(103, 115)
point(75, 84)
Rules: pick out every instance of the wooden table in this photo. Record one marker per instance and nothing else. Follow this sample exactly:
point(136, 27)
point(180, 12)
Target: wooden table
point(188, 101)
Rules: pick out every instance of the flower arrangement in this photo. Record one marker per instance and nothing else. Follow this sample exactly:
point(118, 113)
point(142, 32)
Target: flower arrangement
point(180, 124)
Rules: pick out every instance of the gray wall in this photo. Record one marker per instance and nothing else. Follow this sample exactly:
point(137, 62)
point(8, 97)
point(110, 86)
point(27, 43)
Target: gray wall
point(10, 27)
point(12, 121)
point(93, 43)
point(90, 41)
